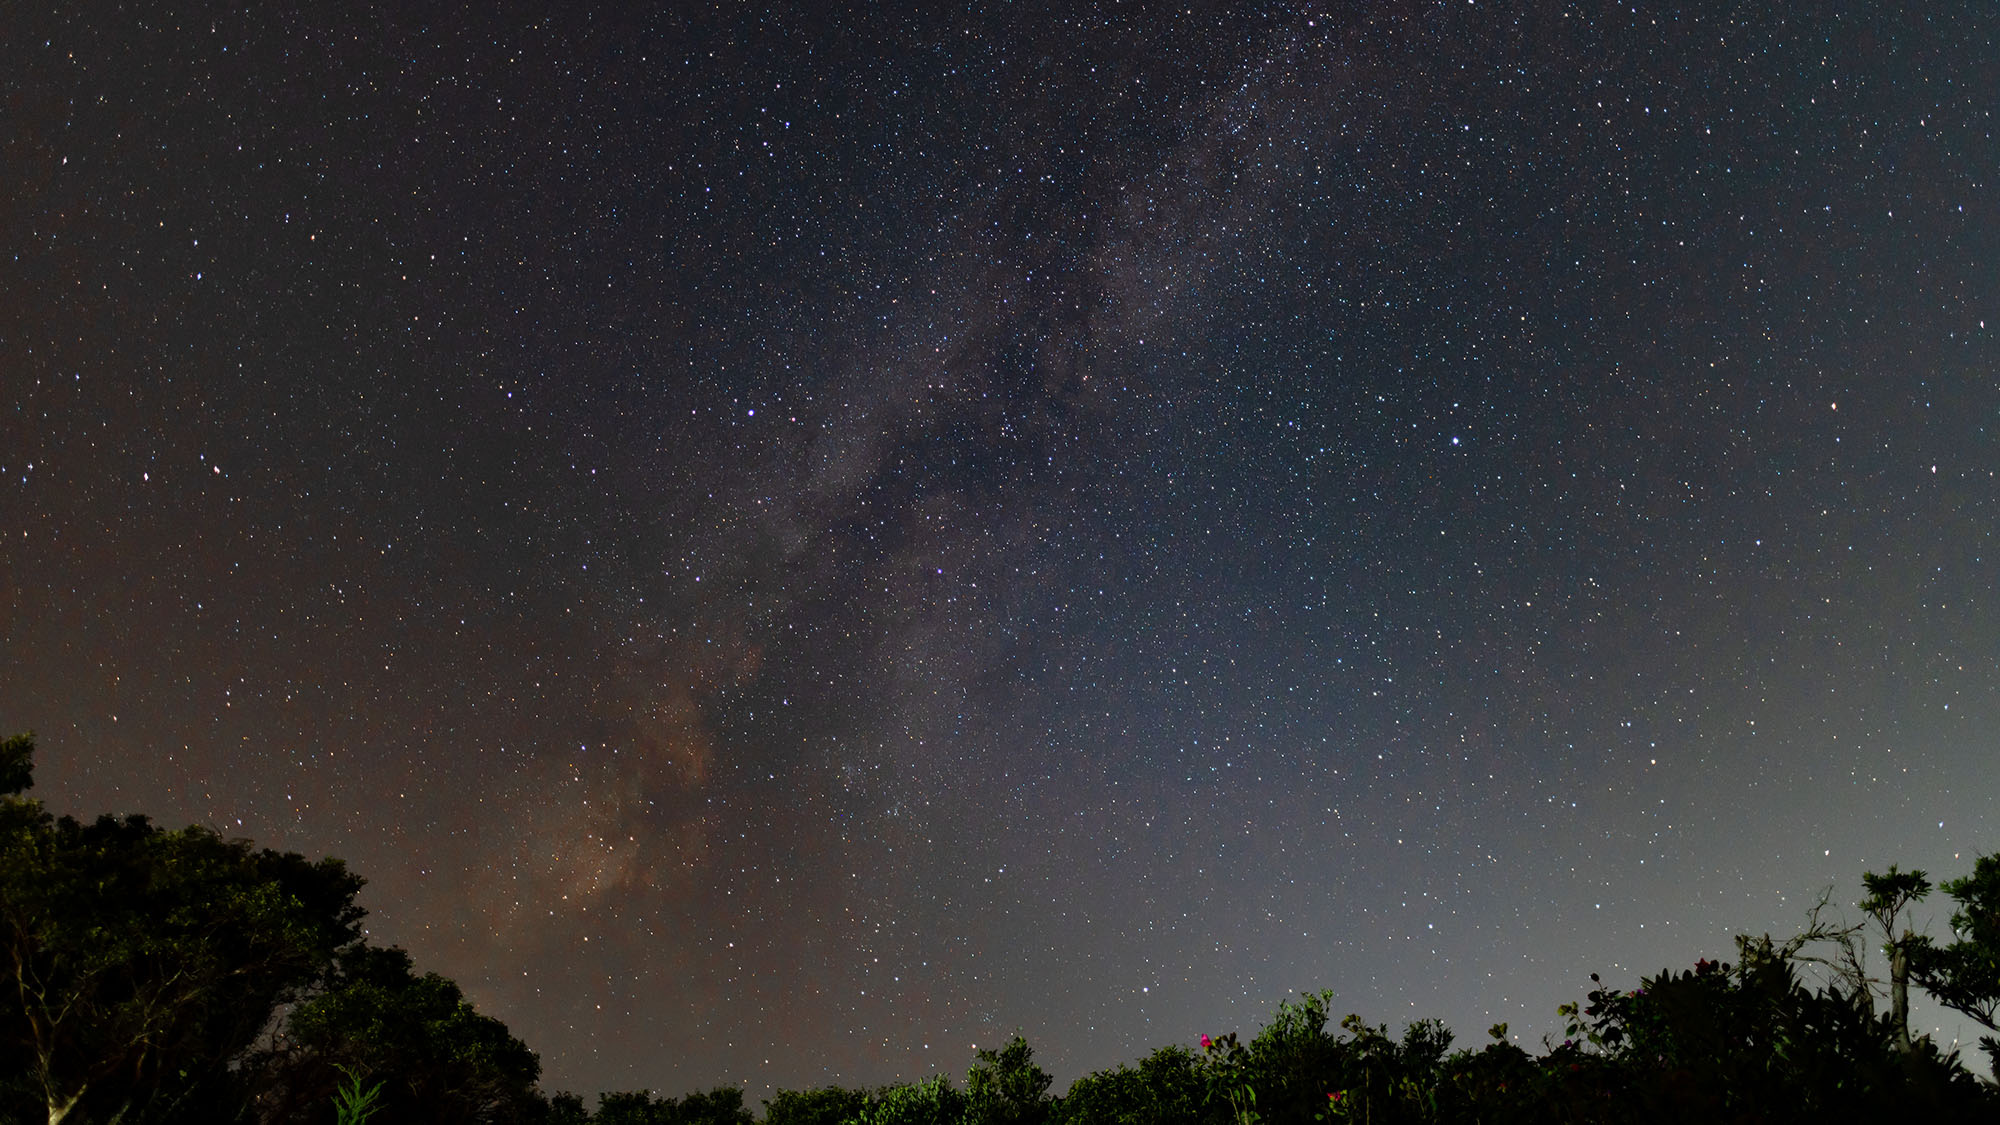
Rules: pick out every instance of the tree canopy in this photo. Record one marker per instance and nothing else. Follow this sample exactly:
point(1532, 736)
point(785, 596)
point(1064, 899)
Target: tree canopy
point(168, 976)
point(434, 1057)
point(1965, 974)
point(144, 960)
point(156, 976)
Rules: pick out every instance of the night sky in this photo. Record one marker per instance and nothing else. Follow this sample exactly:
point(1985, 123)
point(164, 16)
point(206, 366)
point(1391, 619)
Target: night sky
point(788, 542)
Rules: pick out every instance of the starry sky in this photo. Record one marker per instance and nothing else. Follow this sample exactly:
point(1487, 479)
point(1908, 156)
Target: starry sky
point(787, 541)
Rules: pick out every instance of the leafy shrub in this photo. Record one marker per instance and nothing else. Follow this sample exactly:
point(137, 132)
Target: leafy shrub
point(934, 1102)
point(830, 1106)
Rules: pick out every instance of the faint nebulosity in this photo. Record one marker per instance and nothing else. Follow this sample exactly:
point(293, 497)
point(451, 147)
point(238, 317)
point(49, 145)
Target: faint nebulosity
point(788, 542)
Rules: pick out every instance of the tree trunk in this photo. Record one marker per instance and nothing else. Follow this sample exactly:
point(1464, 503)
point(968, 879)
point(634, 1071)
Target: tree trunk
point(1899, 991)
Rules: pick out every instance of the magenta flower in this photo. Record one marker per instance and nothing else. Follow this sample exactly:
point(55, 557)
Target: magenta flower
point(1206, 1043)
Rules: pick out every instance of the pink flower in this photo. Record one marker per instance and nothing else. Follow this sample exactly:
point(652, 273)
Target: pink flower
point(1206, 1043)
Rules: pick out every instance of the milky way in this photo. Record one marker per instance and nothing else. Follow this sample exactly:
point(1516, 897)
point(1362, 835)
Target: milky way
point(788, 545)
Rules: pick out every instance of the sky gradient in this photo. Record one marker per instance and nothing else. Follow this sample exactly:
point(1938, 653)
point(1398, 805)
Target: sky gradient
point(786, 543)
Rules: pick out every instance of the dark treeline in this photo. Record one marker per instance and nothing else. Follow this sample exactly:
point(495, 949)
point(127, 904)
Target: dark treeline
point(157, 977)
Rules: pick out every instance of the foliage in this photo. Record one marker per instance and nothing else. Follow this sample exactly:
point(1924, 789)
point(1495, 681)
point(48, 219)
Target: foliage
point(631, 1107)
point(1749, 1042)
point(145, 960)
point(1293, 1062)
point(830, 1106)
point(1297, 1069)
point(436, 1058)
point(1718, 1043)
point(178, 977)
point(1888, 897)
point(933, 1102)
point(566, 1108)
point(1892, 893)
point(17, 764)
point(354, 1104)
point(1965, 975)
point(1166, 1087)
point(1499, 1084)
point(1005, 1087)
point(720, 1106)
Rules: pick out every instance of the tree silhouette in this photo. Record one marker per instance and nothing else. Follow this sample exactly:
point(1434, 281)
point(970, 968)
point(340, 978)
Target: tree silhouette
point(931, 1102)
point(1965, 975)
point(150, 977)
point(1005, 1087)
point(1165, 1087)
point(437, 1058)
point(1888, 896)
point(828, 1106)
point(138, 962)
point(17, 764)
